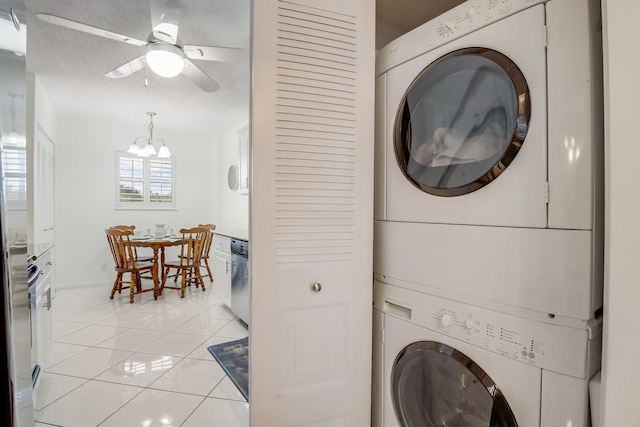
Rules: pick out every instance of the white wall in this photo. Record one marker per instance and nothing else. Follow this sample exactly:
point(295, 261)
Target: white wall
point(386, 33)
point(621, 346)
point(233, 206)
point(85, 191)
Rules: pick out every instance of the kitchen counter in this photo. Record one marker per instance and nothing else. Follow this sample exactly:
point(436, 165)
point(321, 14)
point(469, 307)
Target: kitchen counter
point(234, 234)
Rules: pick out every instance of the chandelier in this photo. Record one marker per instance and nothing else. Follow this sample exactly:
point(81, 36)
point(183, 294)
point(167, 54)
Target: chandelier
point(14, 138)
point(148, 149)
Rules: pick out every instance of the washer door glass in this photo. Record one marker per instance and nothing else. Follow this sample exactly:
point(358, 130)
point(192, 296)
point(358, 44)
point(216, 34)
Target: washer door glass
point(436, 385)
point(462, 122)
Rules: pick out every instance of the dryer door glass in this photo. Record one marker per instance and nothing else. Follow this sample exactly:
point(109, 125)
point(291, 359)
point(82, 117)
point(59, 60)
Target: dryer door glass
point(462, 122)
point(436, 385)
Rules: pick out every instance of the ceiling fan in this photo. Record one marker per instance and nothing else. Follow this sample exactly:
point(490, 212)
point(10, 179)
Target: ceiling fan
point(164, 54)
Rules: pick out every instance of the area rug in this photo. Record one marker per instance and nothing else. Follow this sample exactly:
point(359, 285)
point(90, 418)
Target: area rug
point(233, 356)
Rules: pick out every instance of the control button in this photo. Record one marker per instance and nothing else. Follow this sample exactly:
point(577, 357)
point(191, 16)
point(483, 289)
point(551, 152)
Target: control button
point(472, 12)
point(524, 353)
point(469, 324)
point(446, 320)
point(487, 341)
point(532, 355)
point(450, 25)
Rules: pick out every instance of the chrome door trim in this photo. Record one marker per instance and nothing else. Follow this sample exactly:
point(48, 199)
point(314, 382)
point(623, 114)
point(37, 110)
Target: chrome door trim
point(402, 130)
point(501, 415)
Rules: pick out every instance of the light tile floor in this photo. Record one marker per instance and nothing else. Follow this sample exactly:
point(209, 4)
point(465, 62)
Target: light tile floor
point(143, 364)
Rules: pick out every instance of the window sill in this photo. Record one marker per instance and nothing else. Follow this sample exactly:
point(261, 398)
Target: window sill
point(145, 208)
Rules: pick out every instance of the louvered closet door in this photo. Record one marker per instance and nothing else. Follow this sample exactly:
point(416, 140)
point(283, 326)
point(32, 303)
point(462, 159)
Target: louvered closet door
point(311, 212)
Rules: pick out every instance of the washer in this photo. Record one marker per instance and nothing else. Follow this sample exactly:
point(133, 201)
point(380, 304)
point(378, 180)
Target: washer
point(438, 362)
point(489, 155)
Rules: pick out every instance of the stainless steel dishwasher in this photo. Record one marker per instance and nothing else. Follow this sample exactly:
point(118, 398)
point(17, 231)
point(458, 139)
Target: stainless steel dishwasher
point(240, 285)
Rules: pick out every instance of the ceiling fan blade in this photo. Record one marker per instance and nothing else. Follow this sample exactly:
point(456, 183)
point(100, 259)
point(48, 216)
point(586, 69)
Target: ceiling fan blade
point(165, 15)
point(79, 26)
point(215, 53)
point(199, 77)
point(128, 68)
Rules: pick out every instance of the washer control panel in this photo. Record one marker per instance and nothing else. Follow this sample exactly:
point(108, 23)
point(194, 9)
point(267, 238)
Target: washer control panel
point(554, 347)
point(510, 339)
point(462, 19)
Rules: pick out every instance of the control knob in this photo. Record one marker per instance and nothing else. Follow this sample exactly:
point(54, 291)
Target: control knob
point(446, 320)
point(469, 324)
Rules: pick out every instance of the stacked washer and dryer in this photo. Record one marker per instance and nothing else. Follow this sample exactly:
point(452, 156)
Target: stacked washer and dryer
point(488, 261)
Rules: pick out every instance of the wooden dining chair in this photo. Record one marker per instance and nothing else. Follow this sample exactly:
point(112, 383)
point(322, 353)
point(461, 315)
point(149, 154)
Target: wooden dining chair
point(135, 250)
point(187, 266)
point(207, 248)
point(125, 262)
point(205, 256)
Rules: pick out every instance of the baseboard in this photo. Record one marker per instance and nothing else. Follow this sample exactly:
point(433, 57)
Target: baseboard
point(105, 284)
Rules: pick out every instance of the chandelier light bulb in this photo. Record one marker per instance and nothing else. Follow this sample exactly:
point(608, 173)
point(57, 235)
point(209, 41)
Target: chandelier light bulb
point(149, 149)
point(163, 152)
point(15, 138)
point(134, 149)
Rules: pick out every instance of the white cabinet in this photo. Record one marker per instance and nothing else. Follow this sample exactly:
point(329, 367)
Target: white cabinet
point(41, 311)
point(43, 191)
point(221, 264)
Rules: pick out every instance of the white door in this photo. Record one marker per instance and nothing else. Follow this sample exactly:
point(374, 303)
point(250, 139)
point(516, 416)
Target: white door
point(311, 212)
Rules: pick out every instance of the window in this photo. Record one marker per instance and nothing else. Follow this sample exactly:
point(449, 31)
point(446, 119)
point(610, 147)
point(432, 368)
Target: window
point(145, 182)
point(14, 167)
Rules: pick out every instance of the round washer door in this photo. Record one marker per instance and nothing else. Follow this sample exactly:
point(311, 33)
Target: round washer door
point(433, 384)
point(462, 122)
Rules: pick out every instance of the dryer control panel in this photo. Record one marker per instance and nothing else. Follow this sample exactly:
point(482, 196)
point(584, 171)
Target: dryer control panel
point(558, 348)
point(463, 19)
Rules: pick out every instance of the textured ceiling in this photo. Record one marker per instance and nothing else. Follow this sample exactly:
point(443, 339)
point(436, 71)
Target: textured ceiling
point(71, 64)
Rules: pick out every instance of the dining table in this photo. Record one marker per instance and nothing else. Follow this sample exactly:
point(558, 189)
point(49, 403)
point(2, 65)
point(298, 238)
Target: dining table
point(158, 245)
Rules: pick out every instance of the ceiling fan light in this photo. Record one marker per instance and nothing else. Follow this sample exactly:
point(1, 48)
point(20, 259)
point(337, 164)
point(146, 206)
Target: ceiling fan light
point(165, 59)
point(163, 152)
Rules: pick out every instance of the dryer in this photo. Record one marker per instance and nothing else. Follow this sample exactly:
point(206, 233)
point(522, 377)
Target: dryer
point(489, 156)
point(438, 363)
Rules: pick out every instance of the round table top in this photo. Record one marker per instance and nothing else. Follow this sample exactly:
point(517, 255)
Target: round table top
point(150, 241)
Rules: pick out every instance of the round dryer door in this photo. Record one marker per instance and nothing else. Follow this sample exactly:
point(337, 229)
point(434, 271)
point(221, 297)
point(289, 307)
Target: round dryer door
point(462, 122)
point(436, 385)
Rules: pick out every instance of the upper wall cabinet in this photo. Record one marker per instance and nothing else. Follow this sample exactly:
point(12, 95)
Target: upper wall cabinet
point(243, 140)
